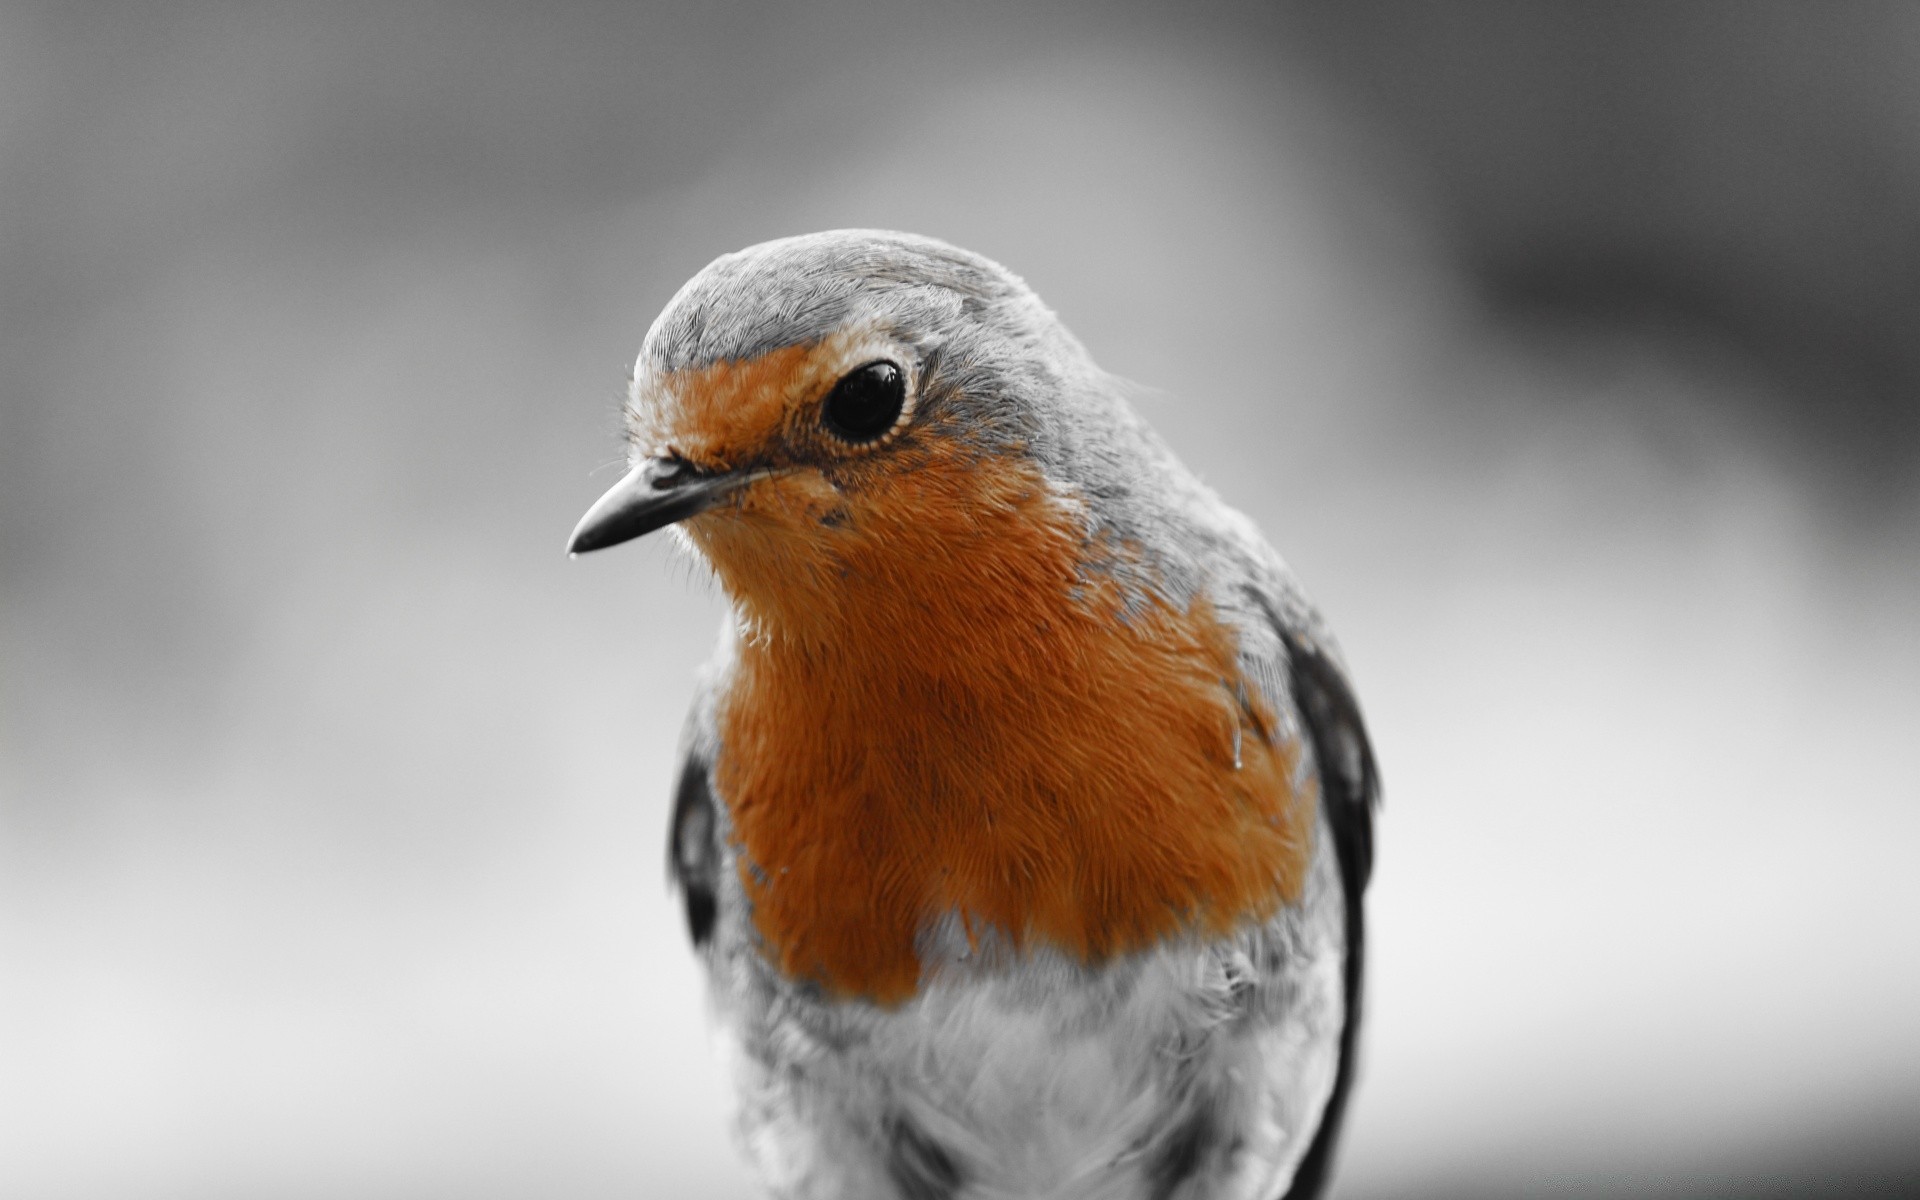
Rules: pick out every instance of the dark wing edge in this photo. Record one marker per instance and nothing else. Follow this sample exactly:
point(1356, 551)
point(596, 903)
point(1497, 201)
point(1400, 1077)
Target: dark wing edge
point(693, 847)
point(1350, 790)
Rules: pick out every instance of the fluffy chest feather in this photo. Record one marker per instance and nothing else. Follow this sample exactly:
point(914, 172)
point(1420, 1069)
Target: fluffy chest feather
point(1014, 740)
point(1199, 1067)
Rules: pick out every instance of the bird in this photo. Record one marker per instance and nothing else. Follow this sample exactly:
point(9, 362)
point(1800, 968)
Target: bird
point(1026, 808)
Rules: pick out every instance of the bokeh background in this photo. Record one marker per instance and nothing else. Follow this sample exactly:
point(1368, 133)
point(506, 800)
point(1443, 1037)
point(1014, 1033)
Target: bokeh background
point(1568, 351)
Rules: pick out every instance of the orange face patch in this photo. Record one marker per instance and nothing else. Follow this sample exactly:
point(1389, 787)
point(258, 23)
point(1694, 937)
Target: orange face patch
point(760, 410)
point(946, 707)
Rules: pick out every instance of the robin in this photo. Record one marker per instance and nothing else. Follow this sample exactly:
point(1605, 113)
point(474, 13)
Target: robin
point(1026, 809)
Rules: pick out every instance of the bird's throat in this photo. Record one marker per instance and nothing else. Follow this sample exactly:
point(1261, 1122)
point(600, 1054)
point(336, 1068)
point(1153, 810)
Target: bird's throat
point(1017, 742)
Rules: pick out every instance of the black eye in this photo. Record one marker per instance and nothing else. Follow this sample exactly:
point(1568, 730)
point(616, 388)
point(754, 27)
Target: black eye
point(865, 403)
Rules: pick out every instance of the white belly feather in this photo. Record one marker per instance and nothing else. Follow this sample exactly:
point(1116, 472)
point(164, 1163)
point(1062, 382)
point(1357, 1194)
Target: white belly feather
point(1033, 1077)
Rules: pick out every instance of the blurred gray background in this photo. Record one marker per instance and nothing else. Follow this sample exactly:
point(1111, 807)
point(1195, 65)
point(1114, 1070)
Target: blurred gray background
point(1568, 351)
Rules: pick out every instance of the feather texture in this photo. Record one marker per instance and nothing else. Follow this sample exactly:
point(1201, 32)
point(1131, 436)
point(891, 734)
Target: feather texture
point(1027, 810)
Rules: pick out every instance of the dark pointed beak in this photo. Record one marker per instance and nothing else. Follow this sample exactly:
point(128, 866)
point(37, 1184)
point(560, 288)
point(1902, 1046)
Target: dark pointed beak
point(653, 495)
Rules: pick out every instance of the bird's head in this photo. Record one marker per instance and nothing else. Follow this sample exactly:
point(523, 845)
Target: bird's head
point(853, 414)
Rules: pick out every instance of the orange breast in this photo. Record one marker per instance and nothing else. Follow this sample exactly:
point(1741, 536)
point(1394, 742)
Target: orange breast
point(978, 725)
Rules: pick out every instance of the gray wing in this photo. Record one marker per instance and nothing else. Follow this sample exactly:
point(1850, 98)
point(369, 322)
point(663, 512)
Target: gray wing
point(693, 846)
point(1350, 791)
